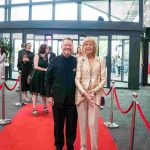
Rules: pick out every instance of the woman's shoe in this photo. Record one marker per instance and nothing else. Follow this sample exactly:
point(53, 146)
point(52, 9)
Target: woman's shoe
point(27, 99)
point(34, 112)
point(45, 109)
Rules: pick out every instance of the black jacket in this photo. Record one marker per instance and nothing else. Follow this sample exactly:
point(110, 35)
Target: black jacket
point(60, 79)
point(21, 53)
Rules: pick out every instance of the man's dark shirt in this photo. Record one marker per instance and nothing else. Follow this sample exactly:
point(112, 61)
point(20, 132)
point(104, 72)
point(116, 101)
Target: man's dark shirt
point(60, 79)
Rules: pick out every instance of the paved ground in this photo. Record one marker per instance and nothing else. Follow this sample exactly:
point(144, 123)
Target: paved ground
point(121, 134)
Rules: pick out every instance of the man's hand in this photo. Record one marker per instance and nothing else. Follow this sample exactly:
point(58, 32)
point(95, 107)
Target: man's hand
point(50, 101)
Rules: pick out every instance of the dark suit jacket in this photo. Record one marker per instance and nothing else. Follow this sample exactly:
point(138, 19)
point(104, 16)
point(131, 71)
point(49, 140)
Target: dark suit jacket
point(60, 79)
point(21, 53)
point(52, 56)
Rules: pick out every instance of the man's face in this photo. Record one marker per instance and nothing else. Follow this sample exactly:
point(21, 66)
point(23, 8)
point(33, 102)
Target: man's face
point(67, 47)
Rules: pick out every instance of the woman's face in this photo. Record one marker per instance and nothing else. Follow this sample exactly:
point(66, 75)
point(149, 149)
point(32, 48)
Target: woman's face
point(47, 50)
point(28, 47)
point(89, 48)
point(79, 50)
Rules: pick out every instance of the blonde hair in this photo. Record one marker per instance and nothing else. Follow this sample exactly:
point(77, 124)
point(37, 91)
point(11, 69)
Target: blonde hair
point(90, 39)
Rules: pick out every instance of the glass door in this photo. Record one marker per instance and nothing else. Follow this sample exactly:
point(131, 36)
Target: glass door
point(120, 60)
point(16, 43)
point(148, 80)
point(36, 41)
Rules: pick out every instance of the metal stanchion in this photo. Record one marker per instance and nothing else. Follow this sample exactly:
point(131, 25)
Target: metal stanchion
point(111, 124)
point(135, 95)
point(20, 103)
point(4, 121)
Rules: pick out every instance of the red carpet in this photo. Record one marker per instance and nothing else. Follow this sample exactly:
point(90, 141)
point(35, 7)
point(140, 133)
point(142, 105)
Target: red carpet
point(36, 133)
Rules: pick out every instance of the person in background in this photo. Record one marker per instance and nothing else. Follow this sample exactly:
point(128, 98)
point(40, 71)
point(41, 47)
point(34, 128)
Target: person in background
point(79, 51)
point(90, 79)
point(19, 58)
point(26, 63)
point(19, 61)
point(2, 62)
point(51, 55)
point(118, 66)
point(38, 81)
point(60, 91)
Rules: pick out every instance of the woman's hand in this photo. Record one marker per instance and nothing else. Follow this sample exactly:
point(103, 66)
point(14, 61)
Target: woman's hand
point(90, 97)
point(25, 59)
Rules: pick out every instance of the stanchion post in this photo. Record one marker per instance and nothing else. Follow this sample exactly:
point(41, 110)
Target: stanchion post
point(4, 121)
point(20, 103)
point(135, 95)
point(111, 124)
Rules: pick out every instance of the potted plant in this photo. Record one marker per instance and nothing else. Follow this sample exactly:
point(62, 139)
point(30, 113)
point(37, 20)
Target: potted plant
point(4, 42)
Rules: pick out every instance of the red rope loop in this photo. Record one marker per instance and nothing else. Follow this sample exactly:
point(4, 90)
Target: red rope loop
point(1, 86)
point(11, 89)
point(106, 94)
point(143, 117)
point(119, 107)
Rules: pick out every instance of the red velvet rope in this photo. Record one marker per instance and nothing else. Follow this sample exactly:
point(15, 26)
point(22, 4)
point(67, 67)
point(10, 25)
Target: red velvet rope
point(143, 117)
point(11, 89)
point(108, 91)
point(0, 86)
point(121, 110)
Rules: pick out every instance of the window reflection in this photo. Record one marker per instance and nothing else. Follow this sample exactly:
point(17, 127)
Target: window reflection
point(42, 12)
point(19, 1)
point(2, 14)
point(93, 10)
point(125, 10)
point(61, 11)
point(147, 14)
point(40, 0)
point(120, 60)
point(2, 2)
point(19, 13)
point(103, 46)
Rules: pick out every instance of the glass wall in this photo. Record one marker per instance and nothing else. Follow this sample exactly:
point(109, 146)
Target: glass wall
point(19, 13)
point(61, 11)
point(2, 10)
point(19, 1)
point(106, 10)
point(125, 10)
point(2, 2)
point(92, 10)
point(45, 12)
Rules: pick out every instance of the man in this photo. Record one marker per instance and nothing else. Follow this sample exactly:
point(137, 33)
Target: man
point(19, 66)
point(51, 55)
point(19, 56)
point(26, 63)
point(60, 90)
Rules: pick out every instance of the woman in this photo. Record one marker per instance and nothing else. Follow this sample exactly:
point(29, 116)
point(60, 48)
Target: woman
point(26, 64)
point(2, 62)
point(79, 51)
point(38, 81)
point(90, 79)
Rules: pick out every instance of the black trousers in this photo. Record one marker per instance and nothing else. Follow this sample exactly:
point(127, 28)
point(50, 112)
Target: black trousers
point(61, 113)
